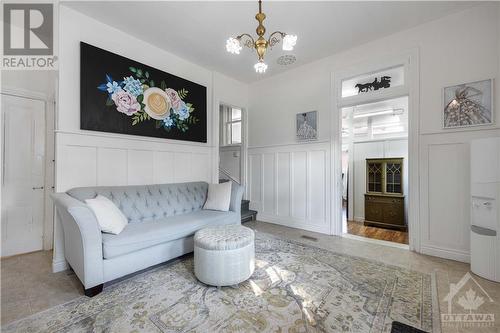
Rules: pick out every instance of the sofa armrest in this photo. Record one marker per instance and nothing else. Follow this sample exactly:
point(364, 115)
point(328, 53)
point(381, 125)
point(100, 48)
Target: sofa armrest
point(82, 239)
point(236, 197)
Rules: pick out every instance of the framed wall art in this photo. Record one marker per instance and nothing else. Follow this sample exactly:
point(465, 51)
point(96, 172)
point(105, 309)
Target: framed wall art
point(120, 95)
point(307, 126)
point(468, 104)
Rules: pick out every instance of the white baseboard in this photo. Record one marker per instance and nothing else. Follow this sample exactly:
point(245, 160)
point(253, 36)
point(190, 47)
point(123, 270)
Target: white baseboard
point(445, 253)
point(59, 266)
point(377, 241)
point(290, 222)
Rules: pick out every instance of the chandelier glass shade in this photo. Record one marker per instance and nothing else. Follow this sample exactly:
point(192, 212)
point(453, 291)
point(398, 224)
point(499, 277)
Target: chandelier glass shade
point(260, 44)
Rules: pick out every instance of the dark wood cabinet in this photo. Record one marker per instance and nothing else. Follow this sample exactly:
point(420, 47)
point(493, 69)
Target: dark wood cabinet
point(384, 199)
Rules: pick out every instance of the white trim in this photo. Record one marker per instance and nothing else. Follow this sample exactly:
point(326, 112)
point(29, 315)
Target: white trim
point(377, 241)
point(446, 253)
point(455, 130)
point(410, 59)
point(243, 145)
point(38, 96)
point(19, 92)
point(311, 142)
point(293, 223)
point(396, 138)
point(132, 137)
point(59, 265)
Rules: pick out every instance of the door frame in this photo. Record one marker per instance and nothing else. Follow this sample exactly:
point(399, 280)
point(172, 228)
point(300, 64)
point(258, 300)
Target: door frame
point(22, 93)
point(410, 60)
point(244, 139)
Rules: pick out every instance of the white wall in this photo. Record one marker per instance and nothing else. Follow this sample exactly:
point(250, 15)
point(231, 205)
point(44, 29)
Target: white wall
point(458, 48)
point(88, 158)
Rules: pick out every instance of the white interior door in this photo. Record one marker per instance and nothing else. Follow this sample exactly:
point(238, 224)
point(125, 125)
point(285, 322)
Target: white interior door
point(23, 160)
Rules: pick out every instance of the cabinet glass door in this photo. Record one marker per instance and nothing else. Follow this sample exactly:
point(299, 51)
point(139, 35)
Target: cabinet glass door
point(374, 177)
point(393, 176)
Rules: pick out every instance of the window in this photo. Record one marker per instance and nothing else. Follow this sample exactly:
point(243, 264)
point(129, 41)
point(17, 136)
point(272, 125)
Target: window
point(366, 83)
point(231, 121)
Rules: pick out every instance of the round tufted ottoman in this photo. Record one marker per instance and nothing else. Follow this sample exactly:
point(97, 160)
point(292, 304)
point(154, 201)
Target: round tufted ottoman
point(224, 255)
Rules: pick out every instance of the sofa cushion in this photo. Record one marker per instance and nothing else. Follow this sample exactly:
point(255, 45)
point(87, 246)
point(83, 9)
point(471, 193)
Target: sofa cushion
point(137, 236)
point(149, 202)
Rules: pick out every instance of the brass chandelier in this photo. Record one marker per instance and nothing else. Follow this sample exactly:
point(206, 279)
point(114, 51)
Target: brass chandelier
point(233, 45)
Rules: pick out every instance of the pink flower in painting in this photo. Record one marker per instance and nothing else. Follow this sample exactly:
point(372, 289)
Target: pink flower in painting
point(174, 98)
point(125, 102)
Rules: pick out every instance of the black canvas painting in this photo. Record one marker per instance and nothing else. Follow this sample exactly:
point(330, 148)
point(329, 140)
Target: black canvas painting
point(120, 95)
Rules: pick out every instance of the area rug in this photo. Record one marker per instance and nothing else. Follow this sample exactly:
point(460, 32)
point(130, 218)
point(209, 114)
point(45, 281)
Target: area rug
point(295, 288)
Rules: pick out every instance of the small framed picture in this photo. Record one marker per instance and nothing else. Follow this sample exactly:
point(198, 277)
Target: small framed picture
point(468, 104)
point(307, 126)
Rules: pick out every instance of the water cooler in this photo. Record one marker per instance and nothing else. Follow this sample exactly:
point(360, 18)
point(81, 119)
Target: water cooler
point(485, 209)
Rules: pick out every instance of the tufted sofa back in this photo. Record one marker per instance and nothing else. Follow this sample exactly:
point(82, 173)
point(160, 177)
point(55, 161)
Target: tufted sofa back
point(149, 202)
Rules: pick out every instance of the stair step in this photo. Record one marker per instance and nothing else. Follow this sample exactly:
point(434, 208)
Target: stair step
point(249, 215)
point(245, 205)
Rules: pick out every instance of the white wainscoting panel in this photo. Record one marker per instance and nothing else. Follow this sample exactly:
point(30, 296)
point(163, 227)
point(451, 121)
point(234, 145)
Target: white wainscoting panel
point(140, 167)
point(75, 166)
point(254, 188)
point(283, 184)
point(163, 167)
point(445, 193)
point(299, 185)
point(111, 166)
point(90, 160)
point(290, 185)
point(268, 184)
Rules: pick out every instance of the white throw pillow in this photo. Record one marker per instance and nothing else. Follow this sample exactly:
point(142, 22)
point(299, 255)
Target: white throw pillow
point(109, 217)
point(219, 197)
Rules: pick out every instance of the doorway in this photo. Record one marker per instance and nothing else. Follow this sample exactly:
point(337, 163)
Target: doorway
point(374, 170)
point(23, 178)
point(230, 143)
point(362, 85)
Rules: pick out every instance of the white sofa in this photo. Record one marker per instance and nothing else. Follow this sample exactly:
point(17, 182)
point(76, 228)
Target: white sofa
point(162, 221)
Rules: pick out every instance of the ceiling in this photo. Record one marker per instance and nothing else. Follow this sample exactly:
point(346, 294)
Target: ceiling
point(197, 31)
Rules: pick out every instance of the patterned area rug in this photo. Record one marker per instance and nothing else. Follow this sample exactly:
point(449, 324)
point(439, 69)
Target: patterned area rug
point(295, 288)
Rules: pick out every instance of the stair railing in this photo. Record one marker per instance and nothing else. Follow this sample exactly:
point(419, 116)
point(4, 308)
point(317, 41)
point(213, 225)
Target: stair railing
point(227, 174)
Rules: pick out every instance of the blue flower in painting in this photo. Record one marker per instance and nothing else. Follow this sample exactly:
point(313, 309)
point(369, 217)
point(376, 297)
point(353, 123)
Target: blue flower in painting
point(113, 87)
point(110, 86)
point(183, 111)
point(133, 86)
point(168, 122)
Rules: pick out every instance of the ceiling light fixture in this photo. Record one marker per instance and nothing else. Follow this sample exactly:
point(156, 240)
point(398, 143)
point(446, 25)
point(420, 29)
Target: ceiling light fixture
point(233, 45)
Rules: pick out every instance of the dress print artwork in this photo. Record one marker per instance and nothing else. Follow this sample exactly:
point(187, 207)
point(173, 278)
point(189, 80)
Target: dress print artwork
point(307, 126)
point(468, 104)
point(120, 95)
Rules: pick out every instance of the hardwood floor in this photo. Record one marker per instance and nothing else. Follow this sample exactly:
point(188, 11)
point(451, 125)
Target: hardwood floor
point(357, 228)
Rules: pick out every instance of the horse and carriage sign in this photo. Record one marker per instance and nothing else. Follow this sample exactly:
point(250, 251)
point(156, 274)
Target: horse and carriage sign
point(376, 84)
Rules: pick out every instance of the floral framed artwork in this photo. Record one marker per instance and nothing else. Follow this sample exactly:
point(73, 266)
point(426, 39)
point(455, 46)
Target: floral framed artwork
point(307, 126)
point(120, 95)
point(468, 104)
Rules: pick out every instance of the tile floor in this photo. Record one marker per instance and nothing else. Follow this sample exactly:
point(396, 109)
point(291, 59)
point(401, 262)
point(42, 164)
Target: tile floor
point(28, 286)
